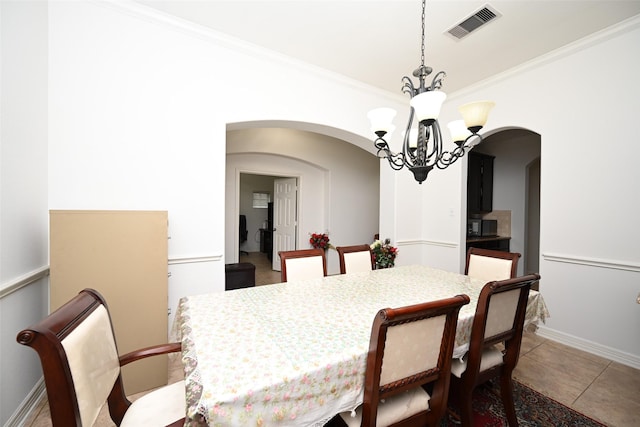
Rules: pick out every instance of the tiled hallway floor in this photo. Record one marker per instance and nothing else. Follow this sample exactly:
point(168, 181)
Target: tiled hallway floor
point(604, 390)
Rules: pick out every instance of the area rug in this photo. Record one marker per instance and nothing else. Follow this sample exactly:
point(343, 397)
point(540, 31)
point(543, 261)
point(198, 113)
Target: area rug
point(532, 409)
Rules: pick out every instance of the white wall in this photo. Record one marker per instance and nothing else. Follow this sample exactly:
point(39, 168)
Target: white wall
point(589, 244)
point(139, 108)
point(338, 183)
point(23, 193)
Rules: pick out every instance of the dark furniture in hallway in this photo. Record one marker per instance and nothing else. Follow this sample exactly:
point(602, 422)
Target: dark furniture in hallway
point(243, 232)
point(266, 242)
point(239, 275)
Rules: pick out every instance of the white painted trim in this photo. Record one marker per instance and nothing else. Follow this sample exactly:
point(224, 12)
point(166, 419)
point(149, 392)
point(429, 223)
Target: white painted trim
point(28, 405)
point(609, 353)
point(412, 242)
point(22, 281)
point(34, 276)
point(191, 259)
point(592, 262)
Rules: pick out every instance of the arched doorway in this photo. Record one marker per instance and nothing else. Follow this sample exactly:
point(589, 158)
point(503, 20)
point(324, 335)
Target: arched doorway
point(334, 175)
point(516, 190)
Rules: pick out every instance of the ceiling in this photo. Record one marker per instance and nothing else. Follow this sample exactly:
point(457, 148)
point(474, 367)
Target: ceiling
point(378, 42)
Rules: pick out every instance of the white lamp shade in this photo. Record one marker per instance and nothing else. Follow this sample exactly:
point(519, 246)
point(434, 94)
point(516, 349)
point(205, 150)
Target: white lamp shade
point(475, 114)
point(427, 105)
point(382, 119)
point(458, 130)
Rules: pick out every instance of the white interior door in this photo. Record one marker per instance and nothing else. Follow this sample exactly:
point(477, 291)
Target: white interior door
point(285, 221)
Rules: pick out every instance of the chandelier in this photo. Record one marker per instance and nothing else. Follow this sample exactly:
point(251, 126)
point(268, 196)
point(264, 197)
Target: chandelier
point(422, 147)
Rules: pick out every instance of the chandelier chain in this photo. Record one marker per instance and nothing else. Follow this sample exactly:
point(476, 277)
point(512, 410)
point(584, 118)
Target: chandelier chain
point(424, 2)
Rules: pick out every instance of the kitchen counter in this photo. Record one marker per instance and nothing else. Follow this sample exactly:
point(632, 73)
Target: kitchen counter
point(486, 238)
point(500, 243)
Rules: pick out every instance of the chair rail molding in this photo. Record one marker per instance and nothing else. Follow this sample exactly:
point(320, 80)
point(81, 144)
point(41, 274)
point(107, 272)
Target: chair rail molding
point(192, 259)
point(412, 242)
point(592, 262)
point(22, 281)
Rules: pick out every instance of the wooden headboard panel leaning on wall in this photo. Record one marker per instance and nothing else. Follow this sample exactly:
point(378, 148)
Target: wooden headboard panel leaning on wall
point(123, 255)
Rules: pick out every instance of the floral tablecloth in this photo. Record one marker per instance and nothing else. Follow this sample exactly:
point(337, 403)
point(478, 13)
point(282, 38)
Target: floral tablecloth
point(293, 354)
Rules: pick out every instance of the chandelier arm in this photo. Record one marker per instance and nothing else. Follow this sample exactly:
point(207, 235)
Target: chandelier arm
point(470, 137)
point(396, 161)
point(446, 160)
point(436, 83)
point(407, 87)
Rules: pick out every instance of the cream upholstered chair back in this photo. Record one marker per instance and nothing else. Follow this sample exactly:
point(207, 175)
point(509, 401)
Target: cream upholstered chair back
point(355, 259)
point(490, 265)
point(499, 319)
point(302, 264)
point(93, 361)
point(501, 313)
point(81, 368)
point(409, 347)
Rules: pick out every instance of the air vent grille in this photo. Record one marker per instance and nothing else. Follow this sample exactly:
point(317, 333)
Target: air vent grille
point(473, 22)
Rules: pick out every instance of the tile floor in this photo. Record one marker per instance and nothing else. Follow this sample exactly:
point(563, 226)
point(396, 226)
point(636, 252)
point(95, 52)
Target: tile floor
point(604, 390)
point(264, 274)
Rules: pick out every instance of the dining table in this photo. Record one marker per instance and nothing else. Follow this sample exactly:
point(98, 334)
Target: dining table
point(294, 353)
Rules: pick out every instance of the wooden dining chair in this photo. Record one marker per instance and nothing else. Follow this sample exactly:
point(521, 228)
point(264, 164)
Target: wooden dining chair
point(302, 264)
point(488, 265)
point(355, 259)
point(81, 368)
point(494, 348)
point(410, 351)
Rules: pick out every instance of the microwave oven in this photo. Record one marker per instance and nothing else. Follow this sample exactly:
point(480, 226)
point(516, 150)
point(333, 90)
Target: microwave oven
point(482, 227)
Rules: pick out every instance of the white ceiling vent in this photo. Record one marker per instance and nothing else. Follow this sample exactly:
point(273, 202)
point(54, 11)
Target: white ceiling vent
point(481, 17)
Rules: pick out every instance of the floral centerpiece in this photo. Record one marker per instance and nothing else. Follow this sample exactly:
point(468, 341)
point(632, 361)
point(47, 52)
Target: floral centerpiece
point(320, 241)
point(384, 253)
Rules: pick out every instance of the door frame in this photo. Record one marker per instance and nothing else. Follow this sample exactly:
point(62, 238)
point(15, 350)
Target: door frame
point(236, 213)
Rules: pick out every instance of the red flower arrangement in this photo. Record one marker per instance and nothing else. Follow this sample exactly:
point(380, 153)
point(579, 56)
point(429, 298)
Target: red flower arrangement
point(384, 253)
point(319, 241)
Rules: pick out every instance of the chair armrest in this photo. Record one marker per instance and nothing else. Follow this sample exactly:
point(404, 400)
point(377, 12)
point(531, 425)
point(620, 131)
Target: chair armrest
point(154, 350)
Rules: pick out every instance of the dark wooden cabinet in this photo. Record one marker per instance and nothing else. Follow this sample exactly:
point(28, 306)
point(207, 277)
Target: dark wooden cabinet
point(480, 183)
point(266, 242)
point(495, 243)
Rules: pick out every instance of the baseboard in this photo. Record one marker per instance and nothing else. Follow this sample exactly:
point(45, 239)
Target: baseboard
point(28, 405)
point(590, 347)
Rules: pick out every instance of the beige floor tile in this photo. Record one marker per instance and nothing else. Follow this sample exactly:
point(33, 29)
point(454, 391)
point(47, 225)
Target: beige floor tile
point(558, 371)
point(37, 411)
point(614, 397)
point(621, 380)
point(558, 385)
point(530, 341)
point(584, 367)
point(265, 275)
point(44, 417)
point(609, 406)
